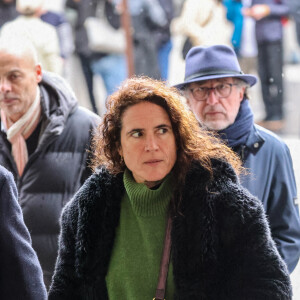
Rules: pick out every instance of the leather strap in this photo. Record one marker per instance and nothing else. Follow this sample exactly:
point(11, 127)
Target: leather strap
point(164, 264)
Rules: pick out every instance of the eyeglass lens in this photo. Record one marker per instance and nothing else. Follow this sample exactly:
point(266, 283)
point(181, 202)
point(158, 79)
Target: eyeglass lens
point(221, 90)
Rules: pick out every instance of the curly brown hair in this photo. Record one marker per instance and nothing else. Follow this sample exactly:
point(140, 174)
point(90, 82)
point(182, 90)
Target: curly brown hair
point(193, 142)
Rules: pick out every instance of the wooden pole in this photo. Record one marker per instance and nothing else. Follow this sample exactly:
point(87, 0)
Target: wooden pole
point(126, 24)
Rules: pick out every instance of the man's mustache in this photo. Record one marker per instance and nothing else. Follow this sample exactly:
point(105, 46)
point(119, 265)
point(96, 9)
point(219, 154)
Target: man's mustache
point(213, 109)
point(7, 96)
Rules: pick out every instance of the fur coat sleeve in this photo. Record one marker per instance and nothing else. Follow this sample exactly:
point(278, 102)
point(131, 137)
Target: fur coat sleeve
point(222, 246)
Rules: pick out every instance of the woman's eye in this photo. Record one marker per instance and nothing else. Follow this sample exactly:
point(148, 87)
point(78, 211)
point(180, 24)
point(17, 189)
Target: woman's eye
point(136, 134)
point(162, 130)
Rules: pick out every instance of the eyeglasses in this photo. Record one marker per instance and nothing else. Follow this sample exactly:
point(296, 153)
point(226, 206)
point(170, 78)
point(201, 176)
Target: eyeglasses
point(221, 90)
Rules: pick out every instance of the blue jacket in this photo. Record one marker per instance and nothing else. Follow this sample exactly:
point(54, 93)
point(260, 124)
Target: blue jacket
point(271, 178)
point(234, 15)
point(20, 271)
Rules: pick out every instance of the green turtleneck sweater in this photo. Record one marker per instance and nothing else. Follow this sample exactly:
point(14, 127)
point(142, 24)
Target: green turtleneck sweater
point(135, 261)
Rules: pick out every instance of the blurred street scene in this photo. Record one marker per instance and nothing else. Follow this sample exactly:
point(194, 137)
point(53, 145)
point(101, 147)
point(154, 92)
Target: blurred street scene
point(92, 73)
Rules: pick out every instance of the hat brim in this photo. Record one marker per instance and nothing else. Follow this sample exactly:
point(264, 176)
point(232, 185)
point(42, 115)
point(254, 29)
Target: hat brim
point(250, 79)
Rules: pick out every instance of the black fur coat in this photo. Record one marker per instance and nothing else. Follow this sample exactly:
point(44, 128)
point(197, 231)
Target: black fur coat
point(221, 243)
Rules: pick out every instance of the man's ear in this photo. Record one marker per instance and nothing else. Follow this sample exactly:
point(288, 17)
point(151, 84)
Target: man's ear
point(187, 99)
point(39, 73)
point(188, 102)
point(242, 93)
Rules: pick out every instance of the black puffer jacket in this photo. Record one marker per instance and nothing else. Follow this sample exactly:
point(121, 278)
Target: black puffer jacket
point(56, 169)
point(221, 243)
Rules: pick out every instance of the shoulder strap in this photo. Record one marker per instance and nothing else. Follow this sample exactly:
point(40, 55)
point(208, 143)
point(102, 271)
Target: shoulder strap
point(164, 265)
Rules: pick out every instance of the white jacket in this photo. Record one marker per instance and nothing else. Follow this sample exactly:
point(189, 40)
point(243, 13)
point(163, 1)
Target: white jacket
point(42, 35)
point(204, 21)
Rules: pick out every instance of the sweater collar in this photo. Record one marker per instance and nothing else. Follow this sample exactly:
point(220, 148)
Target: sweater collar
point(146, 202)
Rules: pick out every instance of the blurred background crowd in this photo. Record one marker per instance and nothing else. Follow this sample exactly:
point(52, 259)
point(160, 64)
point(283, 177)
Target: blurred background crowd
point(85, 42)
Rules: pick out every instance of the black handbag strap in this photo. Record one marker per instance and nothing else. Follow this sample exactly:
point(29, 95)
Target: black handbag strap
point(164, 265)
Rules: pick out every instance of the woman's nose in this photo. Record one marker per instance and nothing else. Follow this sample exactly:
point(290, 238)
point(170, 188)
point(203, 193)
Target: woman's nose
point(151, 144)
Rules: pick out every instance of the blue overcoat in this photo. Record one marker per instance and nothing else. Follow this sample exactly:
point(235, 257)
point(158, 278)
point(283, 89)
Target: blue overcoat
point(271, 179)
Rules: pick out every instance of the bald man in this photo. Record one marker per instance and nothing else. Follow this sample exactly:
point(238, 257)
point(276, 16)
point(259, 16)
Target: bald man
point(44, 139)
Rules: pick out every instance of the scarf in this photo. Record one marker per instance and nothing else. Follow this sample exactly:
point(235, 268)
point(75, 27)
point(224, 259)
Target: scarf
point(238, 132)
point(19, 131)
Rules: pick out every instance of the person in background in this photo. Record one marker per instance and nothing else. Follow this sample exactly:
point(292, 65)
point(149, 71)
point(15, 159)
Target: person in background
point(42, 35)
point(202, 22)
point(84, 9)
point(162, 36)
point(268, 17)
point(44, 140)
point(147, 17)
point(295, 12)
point(63, 29)
point(8, 11)
point(20, 271)
point(217, 92)
point(243, 38)
point(156, 169)
point(110, 67)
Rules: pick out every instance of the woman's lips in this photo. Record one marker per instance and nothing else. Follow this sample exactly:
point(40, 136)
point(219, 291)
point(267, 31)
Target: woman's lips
point(153, 161)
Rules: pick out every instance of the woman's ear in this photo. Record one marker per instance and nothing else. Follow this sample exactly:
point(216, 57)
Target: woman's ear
point(120, 151)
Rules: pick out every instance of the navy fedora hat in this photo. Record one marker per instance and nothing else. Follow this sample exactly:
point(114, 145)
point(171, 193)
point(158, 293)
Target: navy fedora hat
point(218, 61)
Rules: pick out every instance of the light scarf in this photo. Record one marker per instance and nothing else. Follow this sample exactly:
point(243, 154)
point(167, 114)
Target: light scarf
point(19, 131)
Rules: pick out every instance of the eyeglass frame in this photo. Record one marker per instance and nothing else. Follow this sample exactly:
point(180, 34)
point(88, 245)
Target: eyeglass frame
point(214, 89)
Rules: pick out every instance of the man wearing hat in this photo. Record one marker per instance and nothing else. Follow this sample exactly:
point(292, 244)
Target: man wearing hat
point(216, 91)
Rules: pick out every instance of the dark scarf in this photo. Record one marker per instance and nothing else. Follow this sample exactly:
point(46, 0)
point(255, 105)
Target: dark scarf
point(238, 132)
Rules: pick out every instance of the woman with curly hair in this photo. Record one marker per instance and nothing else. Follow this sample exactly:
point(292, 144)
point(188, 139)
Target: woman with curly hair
point(164, 215)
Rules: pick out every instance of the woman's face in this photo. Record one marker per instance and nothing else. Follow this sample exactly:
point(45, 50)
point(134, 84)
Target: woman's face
point(147, 142)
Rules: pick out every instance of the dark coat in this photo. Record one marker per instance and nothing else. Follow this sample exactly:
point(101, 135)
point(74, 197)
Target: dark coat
point(221, 243)
point(20, 271)
point(55, 170)
point(145, 21)
point(269, 29)
point(294, 6)
point(271, 179)
point(8, 12)
point(162, 34)
point(83, 9)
